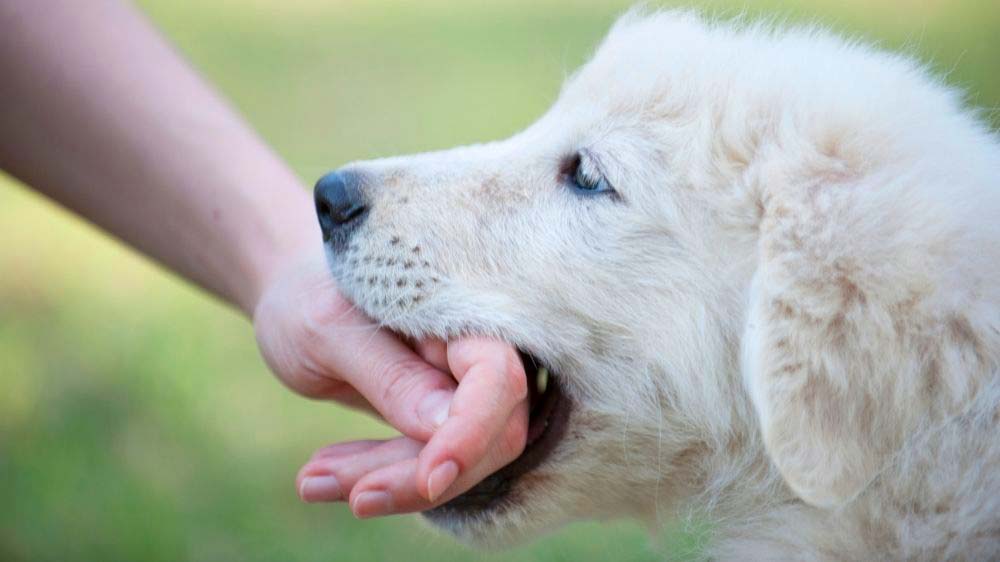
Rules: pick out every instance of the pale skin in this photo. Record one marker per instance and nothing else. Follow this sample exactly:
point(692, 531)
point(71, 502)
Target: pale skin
point(101, 115)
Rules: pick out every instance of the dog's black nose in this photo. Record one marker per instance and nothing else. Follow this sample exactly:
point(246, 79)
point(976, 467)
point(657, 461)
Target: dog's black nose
point(340, 204)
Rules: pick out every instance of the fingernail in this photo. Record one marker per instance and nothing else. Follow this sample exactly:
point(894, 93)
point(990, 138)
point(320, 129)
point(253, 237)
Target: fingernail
point(319, 488)
point(441, 478)
point(371, 504)
point(433, 409)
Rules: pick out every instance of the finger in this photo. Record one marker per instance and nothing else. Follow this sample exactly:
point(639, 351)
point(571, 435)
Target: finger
point(391, 489)
point(433, 351)
point(407, 391)
point(344, 394)
point(492, 384)
point(331, 478)
point(387, 490)
point(345, 448)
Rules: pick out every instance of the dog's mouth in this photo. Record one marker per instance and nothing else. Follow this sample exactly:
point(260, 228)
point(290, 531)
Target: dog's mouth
point(549, 414)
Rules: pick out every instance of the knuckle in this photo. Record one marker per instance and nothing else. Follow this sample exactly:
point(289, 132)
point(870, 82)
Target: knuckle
point(462, 356)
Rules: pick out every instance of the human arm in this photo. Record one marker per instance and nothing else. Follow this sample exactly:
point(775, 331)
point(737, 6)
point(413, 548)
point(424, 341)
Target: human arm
point(102, 116)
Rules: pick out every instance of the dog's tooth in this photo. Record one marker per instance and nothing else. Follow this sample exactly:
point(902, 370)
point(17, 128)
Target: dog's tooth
point(542, 380)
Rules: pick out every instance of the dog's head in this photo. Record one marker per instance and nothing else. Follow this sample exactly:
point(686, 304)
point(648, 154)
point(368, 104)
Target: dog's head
point(631, 241)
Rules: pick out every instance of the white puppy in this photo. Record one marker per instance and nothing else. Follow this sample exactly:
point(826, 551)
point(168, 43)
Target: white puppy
point(762, 269)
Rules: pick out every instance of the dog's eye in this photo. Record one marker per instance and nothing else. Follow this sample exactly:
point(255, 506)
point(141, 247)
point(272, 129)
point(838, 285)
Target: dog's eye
point(589, 181)
point(586, 177)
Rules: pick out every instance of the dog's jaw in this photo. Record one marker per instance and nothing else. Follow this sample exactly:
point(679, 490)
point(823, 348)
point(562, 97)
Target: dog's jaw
point(398, 285)
point(567, 484)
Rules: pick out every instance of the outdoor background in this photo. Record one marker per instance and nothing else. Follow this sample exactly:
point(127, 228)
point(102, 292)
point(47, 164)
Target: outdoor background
point(137, 421)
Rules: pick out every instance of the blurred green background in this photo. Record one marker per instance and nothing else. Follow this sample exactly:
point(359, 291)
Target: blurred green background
point(136, 419)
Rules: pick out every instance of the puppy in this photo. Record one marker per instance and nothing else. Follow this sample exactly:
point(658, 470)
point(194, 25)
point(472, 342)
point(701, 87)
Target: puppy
point(755, 272)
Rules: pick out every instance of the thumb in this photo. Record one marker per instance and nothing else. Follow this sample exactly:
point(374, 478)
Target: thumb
point(411, 394)
point(315, 340)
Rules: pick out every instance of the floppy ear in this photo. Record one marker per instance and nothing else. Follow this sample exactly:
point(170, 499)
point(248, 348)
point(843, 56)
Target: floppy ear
point(832, 373)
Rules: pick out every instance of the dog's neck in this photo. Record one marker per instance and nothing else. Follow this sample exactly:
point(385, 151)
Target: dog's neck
point(737, 492)
point(720, 473)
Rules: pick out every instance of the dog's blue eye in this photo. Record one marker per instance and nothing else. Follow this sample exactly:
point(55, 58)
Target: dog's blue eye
point(587, 178)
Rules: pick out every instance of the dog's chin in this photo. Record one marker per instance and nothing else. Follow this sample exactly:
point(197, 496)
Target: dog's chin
point(517, 524)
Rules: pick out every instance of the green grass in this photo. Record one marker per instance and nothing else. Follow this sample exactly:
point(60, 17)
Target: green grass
point(136, 419)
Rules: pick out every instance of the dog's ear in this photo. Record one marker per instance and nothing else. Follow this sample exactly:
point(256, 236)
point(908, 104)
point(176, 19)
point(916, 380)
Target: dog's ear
point(834, 377)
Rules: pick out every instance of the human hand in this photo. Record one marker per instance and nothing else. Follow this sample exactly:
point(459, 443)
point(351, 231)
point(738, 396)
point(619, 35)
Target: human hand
point(486, 429)
point(455, 433)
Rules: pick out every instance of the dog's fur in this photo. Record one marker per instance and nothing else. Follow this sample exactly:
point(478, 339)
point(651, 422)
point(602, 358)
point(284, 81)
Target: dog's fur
point(786, 322)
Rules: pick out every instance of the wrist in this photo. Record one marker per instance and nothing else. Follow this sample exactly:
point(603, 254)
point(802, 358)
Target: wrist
point(289, 237)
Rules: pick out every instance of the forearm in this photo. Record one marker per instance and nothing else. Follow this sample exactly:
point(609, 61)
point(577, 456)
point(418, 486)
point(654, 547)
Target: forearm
point(101, 115)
